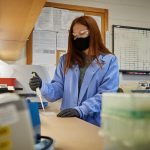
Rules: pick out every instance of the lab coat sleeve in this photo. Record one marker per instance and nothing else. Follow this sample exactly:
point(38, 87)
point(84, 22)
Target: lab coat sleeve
point(54, 90)
point(109, 83)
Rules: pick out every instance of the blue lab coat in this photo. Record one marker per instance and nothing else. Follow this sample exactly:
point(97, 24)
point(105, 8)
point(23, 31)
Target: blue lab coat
point(87, 101)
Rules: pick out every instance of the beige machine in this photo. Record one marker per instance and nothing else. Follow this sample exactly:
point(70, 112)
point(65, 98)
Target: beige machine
point(17, 19)
point(15, 127)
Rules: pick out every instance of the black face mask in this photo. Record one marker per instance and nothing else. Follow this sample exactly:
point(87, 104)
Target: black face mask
point(82, 44)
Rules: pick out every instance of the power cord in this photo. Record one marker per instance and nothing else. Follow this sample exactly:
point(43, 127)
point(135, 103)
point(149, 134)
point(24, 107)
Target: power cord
point(48, 143)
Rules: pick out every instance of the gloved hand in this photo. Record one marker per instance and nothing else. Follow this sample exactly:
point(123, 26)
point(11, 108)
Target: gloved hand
point(69, 112)
point(35, 82)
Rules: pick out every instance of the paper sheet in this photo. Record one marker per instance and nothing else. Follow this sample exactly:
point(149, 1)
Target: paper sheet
point(56, 19)
point(44, 47)
point(45, 20)
point(62, 40)
point(45, 38)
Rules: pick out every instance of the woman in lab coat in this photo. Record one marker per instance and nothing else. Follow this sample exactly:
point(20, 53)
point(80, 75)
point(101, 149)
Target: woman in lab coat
point(83, 74)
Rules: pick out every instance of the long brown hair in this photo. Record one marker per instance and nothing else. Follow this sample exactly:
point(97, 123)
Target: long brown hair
point(96, 46)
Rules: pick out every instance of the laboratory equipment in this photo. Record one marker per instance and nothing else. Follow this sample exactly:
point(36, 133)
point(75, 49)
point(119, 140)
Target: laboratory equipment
point(126, 121)
point(7, 85)
point(16, 130)
point(15, 127)
point(35, 118)
point(38, 92)
point(8, 81)
point(41, 142)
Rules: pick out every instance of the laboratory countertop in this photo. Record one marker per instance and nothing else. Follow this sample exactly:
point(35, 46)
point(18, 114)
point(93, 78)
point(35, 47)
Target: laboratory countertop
point(71, 133)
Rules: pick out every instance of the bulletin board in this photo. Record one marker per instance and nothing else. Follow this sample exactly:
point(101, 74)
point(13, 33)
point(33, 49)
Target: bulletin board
point(131, 45)
point(49, 39)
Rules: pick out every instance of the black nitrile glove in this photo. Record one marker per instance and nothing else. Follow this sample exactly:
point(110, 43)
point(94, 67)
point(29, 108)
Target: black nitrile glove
point(69, 112)
point(35, 82)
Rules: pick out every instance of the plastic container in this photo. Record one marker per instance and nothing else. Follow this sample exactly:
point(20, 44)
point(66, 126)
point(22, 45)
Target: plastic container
point(126, 121)
point(8, 81)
